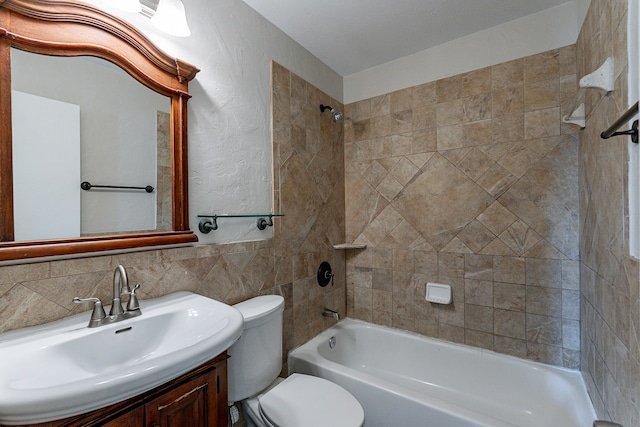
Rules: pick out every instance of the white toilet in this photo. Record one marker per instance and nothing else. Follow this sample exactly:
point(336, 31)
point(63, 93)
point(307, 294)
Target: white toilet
point(268, 401)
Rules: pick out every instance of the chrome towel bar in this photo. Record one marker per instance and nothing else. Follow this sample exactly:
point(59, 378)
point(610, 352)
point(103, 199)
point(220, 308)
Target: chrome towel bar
point(623, 119)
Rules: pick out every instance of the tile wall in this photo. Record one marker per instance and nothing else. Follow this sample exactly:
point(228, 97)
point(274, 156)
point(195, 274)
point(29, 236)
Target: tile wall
point(470, 181)
point(609, 277)
point(309, 184)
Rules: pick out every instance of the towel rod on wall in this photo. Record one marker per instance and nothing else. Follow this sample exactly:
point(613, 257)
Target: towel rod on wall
point(210, 222)
point(86, 185)
point(624, 118)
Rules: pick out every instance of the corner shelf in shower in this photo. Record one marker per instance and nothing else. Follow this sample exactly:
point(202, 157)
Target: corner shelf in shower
point(344, 246)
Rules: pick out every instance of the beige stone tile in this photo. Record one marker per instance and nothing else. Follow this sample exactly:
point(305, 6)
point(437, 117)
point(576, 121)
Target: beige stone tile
point(424, 94)
point(450, 137)
point(475, 236)
point(520, 237)
point(401, 100)
point(389, 188)
point(544, 329)
point(453, 333)
point(507, 74)
point(478, 318)
point(425, 117)
point(544, 301)
point(478, 267)
point(542, 123)
point(478, 292)
point(424, 140)
point(403, 260)
point(544, 272)
point(16, 309)
point(541, 66)
point(403, 304)
point(382, 301)
point(425, 262)
point(509, 324)
point(519, 159)
point(571, 334)
point(451, 265)
point(477, 82)
point(404, 171)
point(475, 164)
point(478, 339)
point(449, 89)
point(381, 105)
point(496, 180)
point(511, 346)
point(550, 354)
point(496, 218)
point(477, 133)
point(477, 107)
point(509, 269)
point(361, 130)
point(24, 272)
point(359, 111)
point(456, 246)
point(567, 60)
point(509, 296)
point(363, 298)
point(542, 94)
point(508, 128)
point(450, 113)
point(427, 326)
point(570, 275)
point(402, 145)
point(507, 101)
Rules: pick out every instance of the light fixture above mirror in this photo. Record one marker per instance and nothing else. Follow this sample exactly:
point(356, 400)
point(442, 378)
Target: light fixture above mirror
point(171, 18)
point(168, 16)
point(126, 5)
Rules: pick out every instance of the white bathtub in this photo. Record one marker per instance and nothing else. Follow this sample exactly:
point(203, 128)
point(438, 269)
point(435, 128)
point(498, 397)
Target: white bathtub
point(405, 380)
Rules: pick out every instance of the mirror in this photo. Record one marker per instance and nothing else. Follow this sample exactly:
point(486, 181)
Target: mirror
point(118, 138)
point(135, 136)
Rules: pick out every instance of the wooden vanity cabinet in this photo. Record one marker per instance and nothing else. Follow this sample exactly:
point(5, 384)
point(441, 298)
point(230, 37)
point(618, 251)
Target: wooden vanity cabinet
point(196, 399)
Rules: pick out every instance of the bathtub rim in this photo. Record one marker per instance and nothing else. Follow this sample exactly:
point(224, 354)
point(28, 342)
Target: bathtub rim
point(308, 353)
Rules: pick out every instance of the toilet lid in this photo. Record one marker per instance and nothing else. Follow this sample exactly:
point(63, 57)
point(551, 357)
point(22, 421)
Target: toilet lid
point(303, 400)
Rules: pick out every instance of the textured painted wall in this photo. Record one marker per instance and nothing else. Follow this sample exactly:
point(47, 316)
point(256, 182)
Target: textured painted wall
point(609, 277)
point(470, 181)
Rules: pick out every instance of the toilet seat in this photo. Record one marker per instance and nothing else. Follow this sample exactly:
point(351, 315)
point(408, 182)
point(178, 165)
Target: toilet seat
point(304, 400)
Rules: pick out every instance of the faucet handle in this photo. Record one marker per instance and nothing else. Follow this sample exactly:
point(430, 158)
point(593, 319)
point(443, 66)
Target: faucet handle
point(133, 304)
point(98, 311)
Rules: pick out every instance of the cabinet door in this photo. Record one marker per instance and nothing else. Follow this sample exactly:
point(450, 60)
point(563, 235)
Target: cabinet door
point(133, 418)
point(192, 404)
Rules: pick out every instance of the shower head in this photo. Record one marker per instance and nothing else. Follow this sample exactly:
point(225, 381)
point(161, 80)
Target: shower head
point(336, 115)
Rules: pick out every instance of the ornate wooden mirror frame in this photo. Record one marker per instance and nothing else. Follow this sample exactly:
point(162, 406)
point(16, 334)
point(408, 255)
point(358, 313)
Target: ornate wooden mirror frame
point(69, 28)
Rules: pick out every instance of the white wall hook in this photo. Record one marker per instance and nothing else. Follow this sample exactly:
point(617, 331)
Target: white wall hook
point(577, 117)
point(602, 78)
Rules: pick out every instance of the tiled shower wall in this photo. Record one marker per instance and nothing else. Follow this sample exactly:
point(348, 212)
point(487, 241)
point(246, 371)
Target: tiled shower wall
point(470, 181)
point(309, 177)
point(610, 279)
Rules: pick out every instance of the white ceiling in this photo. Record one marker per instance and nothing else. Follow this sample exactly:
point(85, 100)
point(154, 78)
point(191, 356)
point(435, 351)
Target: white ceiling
point(354, 35)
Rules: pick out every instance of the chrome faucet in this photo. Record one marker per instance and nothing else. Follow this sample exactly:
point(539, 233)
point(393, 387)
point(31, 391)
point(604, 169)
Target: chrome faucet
point(117, 313)
point(120, 286)
point(330, 313)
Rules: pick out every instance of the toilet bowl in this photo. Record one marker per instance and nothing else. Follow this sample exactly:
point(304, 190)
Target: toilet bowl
point(268, 401)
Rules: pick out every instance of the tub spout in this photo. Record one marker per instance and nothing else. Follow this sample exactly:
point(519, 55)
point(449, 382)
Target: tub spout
point(330, 313)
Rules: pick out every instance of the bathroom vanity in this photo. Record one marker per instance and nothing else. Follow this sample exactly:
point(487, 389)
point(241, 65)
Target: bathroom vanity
point(196, 399)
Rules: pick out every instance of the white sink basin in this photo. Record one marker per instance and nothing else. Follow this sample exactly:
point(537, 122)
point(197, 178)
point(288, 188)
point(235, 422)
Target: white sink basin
point(63, 368)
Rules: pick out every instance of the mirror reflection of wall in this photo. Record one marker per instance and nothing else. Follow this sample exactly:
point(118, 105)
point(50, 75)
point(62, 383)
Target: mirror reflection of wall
point(120, 122)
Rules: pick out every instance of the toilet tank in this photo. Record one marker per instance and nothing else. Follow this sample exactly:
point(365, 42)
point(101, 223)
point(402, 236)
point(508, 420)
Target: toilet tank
point(256, 358)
